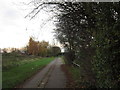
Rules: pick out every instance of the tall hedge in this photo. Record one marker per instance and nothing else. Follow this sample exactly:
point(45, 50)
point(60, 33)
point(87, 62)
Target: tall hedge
point(92, 32)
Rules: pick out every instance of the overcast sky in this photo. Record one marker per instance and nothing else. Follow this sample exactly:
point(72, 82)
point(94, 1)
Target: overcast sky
point(15, 30)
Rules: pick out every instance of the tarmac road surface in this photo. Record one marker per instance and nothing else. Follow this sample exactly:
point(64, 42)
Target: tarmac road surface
point(49, 77)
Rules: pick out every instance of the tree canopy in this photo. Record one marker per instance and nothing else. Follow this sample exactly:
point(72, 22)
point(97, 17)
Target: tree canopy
point(42, 48)
point(92, 32)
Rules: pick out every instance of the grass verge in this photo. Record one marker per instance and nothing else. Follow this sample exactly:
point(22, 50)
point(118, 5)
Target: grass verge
point(76, 77)
point(17, 75)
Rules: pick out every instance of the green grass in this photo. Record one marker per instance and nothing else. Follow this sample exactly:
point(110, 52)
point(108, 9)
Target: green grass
point(16, 75)
point(62, 57)
point(79, 76)
point(75, 72)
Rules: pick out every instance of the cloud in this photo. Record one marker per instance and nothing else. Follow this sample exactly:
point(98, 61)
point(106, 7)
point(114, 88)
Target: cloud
point(9, 15)
point(13, 25)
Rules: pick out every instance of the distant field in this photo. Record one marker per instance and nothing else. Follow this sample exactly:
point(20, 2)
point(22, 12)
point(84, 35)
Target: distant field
point(10, 60)
point(19, 68)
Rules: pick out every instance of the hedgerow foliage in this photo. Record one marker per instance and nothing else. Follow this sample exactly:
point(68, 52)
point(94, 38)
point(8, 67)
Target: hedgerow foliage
point(91, 31)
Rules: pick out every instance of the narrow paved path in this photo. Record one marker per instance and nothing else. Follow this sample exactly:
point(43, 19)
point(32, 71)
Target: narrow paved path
point(49, 77)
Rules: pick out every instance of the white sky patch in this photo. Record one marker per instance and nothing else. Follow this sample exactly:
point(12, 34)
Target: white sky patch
point(15, 30)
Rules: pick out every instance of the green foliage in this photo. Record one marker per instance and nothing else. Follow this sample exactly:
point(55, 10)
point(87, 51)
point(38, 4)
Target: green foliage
point(53, 51)
point(106, 41)
point(91, 31)
point(75, 72)
point(79, 79)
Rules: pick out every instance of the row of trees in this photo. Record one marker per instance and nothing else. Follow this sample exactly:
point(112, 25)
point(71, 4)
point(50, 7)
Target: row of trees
point(36, 48)
point(90, 33)
point(42, 48)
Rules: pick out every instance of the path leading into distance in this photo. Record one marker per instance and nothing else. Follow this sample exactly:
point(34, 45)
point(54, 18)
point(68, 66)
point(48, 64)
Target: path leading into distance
point(49, 77)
